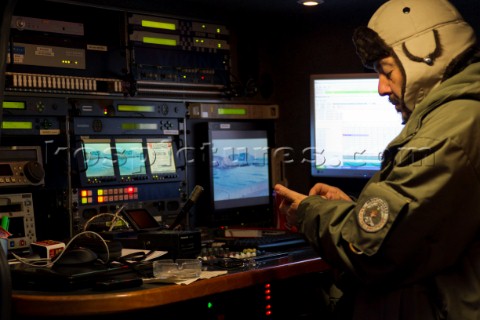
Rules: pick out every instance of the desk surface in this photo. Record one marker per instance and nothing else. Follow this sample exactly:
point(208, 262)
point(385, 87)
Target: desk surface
point(83, 303)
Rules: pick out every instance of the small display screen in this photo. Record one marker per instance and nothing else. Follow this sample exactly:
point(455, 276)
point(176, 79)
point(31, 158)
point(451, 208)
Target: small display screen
point(5, 170)
point(17, 227)
point(130, 157)
point(98, 158)
point(17, 125)
point(132, 108)
point(141, 219)
point(161, 156)
point(18, 154)
point(14, 105)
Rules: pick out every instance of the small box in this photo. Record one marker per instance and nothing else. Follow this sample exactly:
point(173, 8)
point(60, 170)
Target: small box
point(181, 269)
point(47, 248)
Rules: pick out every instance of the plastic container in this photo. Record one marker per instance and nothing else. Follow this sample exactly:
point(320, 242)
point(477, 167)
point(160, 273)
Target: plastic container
point(181, 269)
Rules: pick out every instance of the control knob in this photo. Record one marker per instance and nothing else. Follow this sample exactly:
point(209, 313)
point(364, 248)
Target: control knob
point(34, 171)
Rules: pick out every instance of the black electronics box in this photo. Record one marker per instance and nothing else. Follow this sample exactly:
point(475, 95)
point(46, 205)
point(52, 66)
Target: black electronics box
point(179, 244)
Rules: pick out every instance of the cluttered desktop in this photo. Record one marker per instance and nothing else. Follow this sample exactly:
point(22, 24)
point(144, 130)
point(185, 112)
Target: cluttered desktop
point(141, 217)
point(141, 209)
point(174, 197)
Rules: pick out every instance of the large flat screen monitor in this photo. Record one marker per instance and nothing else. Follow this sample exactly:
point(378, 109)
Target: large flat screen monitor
point(351, 124)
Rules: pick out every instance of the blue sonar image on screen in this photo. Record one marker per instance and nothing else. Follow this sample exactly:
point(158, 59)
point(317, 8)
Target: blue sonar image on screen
point(240, 170)
point(130, 157)
point(98, 159)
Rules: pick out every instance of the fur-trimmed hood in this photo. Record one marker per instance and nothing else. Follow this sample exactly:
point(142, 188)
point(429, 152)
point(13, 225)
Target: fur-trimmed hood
point(425, 36)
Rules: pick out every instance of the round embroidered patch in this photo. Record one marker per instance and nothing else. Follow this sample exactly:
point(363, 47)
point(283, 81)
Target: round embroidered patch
point(373, 215)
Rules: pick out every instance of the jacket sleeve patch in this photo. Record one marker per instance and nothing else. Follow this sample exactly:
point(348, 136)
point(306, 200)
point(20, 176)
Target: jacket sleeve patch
point(373, 215)
point(366, 227)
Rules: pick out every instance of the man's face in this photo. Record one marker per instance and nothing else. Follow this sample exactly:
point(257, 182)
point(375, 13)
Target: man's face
point(390, 83)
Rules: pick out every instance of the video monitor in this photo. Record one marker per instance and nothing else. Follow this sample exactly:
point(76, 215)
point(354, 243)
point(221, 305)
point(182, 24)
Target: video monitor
point(130, 157)
point(161, 156)
point(351, 124)
point(240, 174)
point(97, 158)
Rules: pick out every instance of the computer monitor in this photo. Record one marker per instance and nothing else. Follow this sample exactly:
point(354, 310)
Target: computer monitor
point(351, 124)
point(239, 172)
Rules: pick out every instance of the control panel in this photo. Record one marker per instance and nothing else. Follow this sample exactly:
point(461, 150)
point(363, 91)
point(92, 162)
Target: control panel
point(21, 166)
point(19, 209)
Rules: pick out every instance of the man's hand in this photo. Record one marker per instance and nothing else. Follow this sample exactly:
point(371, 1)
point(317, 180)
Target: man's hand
point(289, 202)
point(328, 192)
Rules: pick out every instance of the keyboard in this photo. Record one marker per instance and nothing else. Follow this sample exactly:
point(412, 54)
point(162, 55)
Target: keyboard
point(273, 242)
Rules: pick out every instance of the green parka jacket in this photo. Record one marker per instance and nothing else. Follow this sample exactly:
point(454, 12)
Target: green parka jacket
point(410, 245)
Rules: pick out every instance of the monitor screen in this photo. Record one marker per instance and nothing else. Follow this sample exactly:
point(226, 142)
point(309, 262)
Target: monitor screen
point(130, 157)
point(97, 157)
point(351, 124)
point(239, 167)
point(161, 156)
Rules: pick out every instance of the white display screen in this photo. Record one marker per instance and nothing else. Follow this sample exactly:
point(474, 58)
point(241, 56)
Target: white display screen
point(161, 156)
point(351, 125)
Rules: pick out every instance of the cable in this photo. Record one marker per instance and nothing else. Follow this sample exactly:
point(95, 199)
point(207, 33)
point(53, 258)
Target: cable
point(46, 263)
point(85, 227)
point(116, 216)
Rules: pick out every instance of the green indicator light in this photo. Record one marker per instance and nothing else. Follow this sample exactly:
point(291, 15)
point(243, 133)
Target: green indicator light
point(209, 305)
point(162, 41)
point(218, 30)
point(129, 126)
point(14, 105)
point(16, 125)
point(158, 25)
point(130, 108)
point(224, 111)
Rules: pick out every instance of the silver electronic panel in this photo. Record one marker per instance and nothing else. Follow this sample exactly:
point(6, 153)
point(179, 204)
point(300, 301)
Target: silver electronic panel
point(19, 209)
